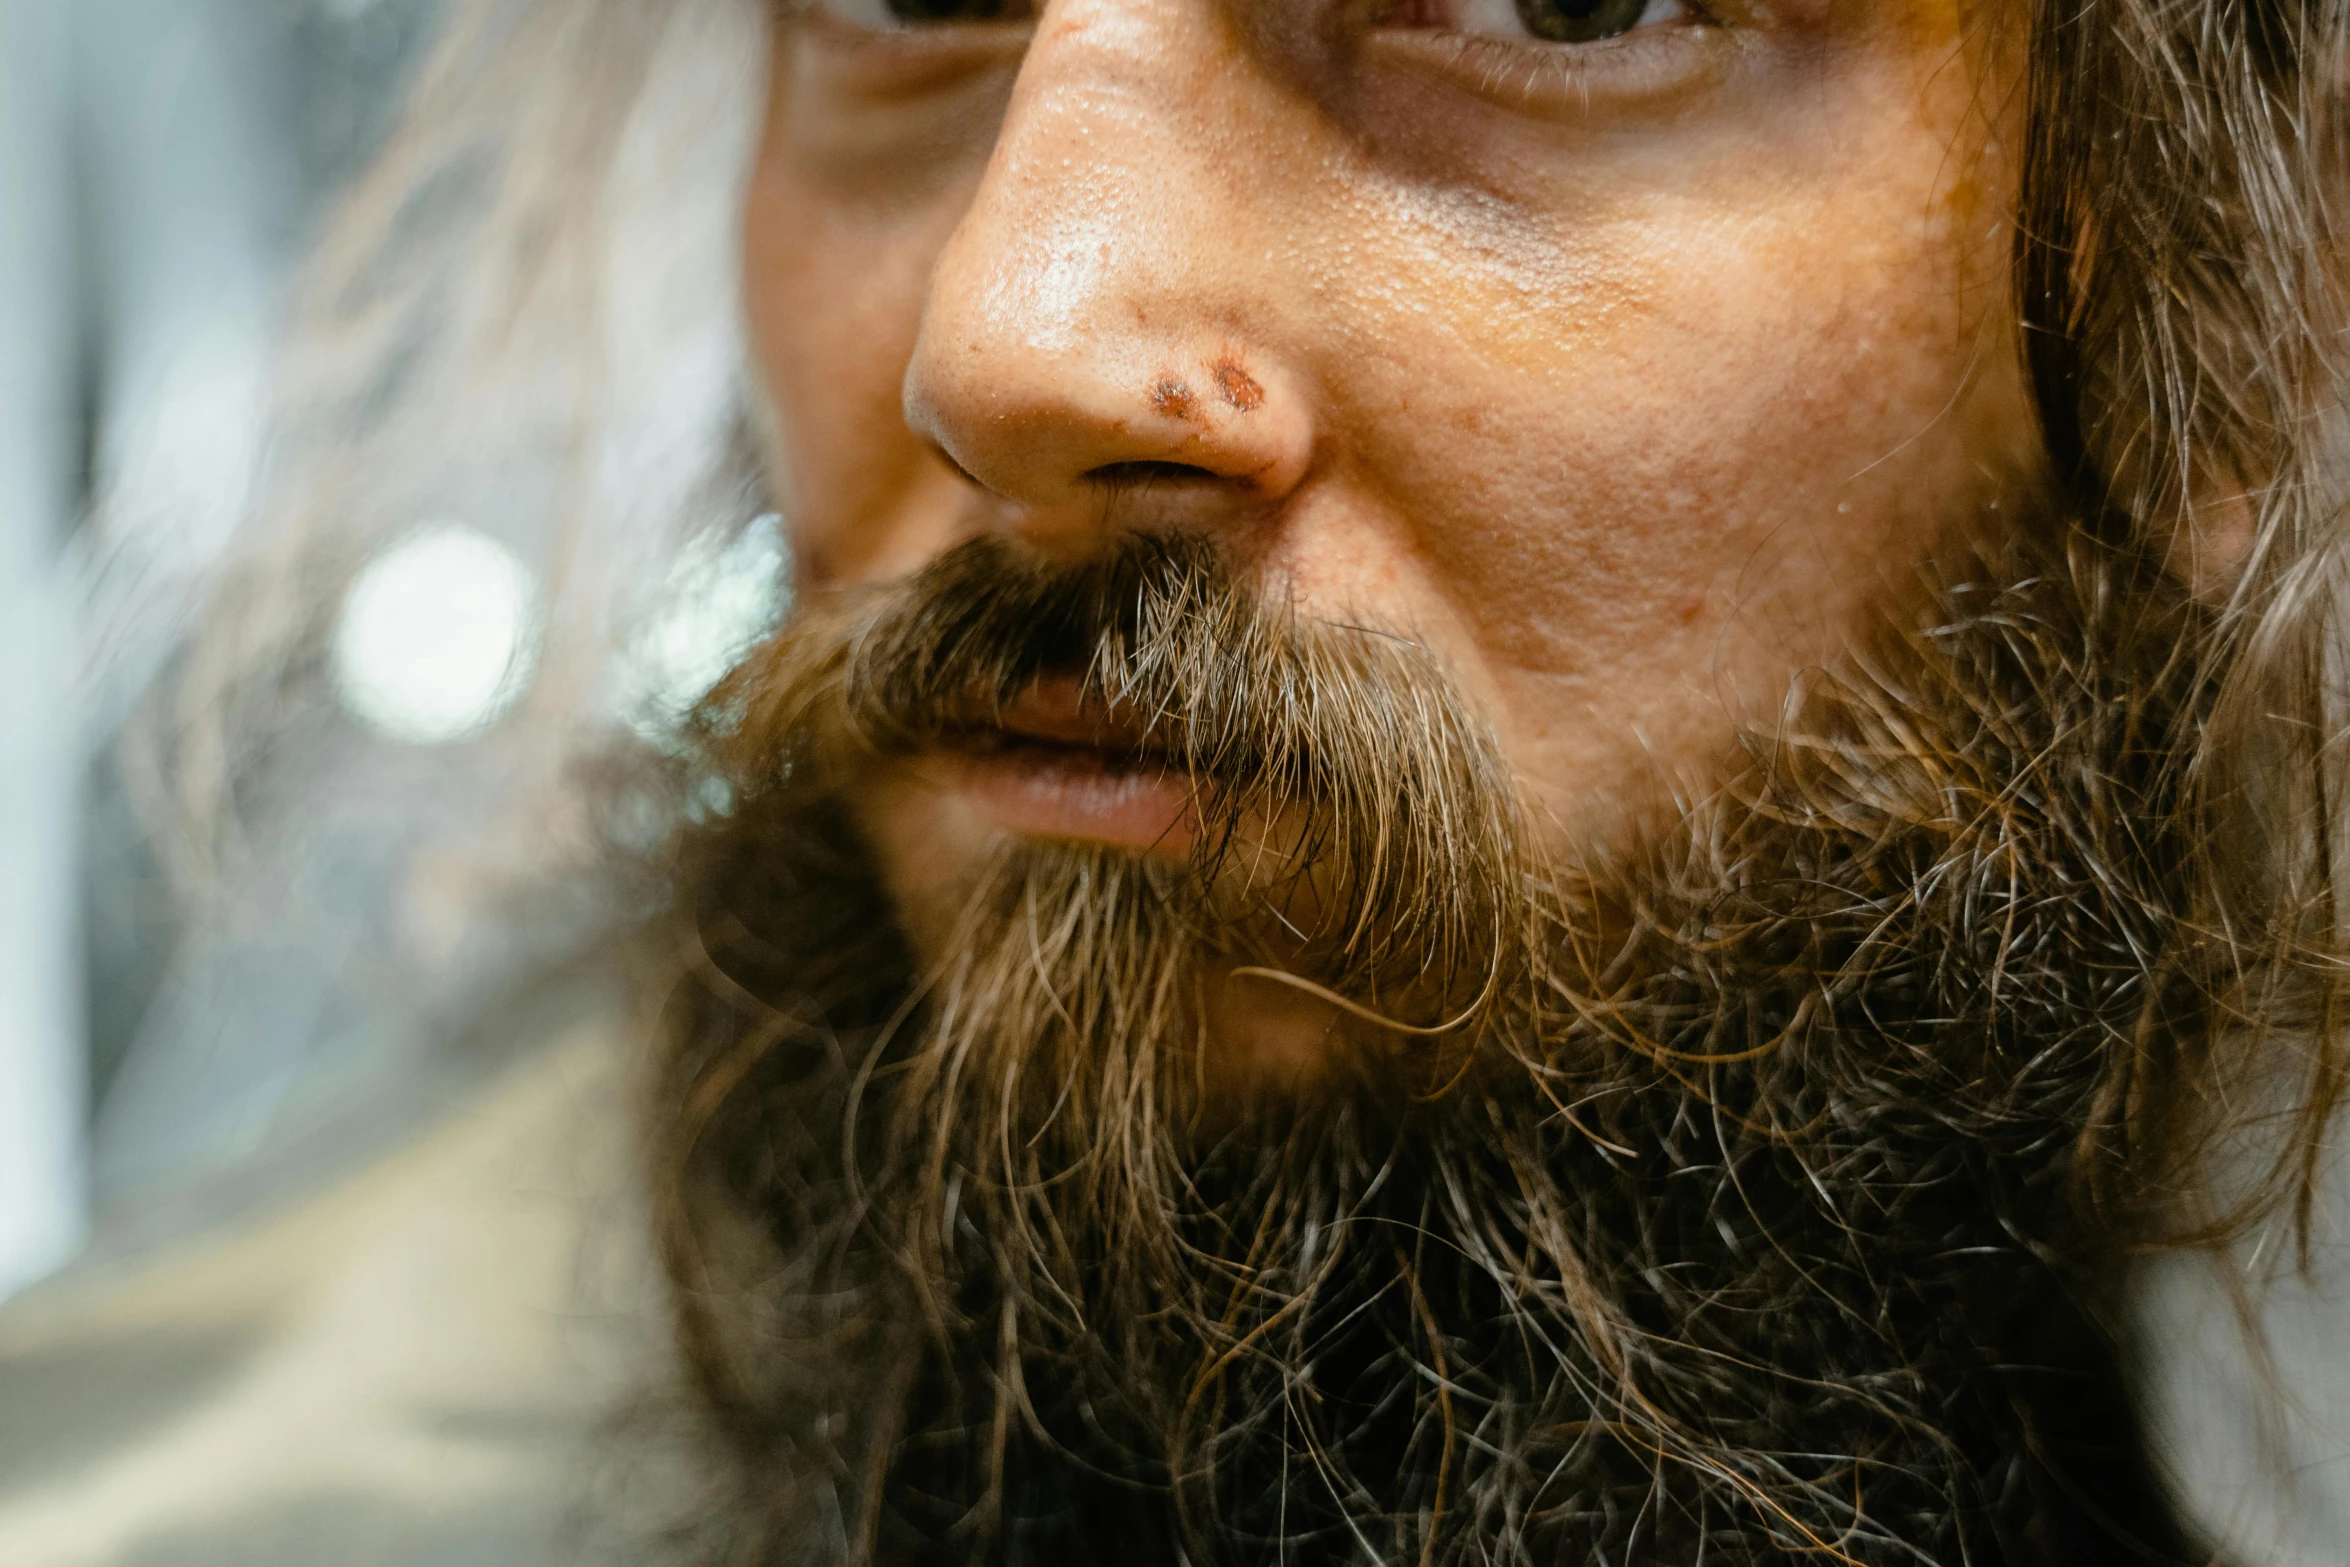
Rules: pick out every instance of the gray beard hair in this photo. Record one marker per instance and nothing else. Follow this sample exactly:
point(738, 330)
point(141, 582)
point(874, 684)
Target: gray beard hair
point(1746, 1195)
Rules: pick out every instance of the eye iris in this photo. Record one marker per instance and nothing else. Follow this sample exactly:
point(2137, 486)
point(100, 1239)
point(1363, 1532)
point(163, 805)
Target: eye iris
point(1580, 21)
point(949, 10)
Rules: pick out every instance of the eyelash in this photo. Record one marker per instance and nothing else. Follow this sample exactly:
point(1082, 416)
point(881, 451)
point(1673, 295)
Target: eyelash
point(1522, 74)
point(1443, 19)
point(1547, 80)
point(787, 12)
point(1431, 15)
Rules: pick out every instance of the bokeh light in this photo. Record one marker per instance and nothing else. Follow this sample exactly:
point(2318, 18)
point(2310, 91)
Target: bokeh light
point(438, 636)
point(721, 598)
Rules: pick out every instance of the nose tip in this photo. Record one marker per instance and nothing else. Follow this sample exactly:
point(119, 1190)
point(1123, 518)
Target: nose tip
point(1051, 430)
point(1083, 333)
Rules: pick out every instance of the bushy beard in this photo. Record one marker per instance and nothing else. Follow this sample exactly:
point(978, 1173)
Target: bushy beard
point(1738, 1195)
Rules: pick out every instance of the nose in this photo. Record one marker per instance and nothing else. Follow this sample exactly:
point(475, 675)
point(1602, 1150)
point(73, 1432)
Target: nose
point(1098, 320)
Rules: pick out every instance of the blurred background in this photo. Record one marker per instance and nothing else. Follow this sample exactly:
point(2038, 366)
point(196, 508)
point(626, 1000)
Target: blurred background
point(164, 167)
point(318, 1232)
point(161, 165)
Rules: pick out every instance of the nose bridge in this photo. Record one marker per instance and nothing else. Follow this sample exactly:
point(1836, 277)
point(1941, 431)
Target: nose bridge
point(1077, 319)
point(1096, 159)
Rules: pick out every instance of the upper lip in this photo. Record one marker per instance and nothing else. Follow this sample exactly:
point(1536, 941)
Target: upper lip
point(1056, 711)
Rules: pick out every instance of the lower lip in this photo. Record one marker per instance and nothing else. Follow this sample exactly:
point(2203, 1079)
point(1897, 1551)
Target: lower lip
point(1072, 792)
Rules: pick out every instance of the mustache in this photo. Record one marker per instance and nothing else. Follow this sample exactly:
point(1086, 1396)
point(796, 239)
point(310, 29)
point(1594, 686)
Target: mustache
point(1213, 671)
point(1349, 787)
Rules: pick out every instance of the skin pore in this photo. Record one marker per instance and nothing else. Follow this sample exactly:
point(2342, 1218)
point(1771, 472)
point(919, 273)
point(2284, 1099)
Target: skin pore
point(1629, 374)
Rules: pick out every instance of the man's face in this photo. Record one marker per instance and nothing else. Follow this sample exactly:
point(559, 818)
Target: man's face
point(1347, 496)
point(1623, 353)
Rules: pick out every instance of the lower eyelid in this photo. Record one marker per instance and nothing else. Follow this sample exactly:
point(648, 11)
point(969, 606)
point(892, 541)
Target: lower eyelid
point(1500, 18)
point(1648, 65)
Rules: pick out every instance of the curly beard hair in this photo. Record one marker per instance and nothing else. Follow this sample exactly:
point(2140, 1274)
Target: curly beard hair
point(1746, 1192)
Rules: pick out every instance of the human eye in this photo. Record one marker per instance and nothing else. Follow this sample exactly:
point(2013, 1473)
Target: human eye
point(1548, 21)
point(894, 54)
point(1558, 58)
point(886, 16)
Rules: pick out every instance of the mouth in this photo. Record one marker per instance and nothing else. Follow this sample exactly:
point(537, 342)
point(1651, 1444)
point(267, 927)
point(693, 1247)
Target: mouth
point(1054, 765)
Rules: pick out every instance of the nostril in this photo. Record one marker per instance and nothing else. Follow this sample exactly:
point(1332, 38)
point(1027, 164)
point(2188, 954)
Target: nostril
point(1137, 475)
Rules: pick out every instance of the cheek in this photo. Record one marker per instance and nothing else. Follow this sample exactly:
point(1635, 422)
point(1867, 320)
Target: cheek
point(1686, 461)
point(834, 294)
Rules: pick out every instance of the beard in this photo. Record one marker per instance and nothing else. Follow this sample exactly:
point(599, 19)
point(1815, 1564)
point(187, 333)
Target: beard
point(1749, 1190)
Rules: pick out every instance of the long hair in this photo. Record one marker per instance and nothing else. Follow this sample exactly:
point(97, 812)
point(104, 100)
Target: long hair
point(521, 318)
point(2176, 279)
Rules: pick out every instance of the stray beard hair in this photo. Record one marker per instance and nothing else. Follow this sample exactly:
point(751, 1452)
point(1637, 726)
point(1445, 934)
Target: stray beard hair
point(1750, 1192)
